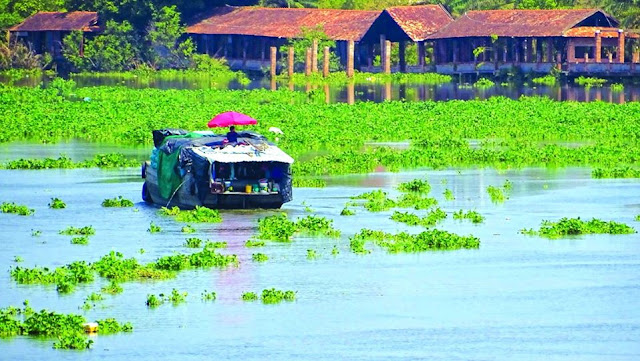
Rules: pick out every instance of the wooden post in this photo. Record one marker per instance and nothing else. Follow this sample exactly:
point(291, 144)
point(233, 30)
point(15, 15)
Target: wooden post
point(387, 57)
point(263, 45)
point(402, 58)
point(351, 92)
point(598, 54)
point(350, 53)
point(314, 56)
point(325, 62)
point(290, 61)
point(307, 63)
point(274, 54)
point(327, 94)
point(620, 46)
point(571, 52)
point(549, 51)
point(383, 42)
point(244, 52)
point(454, 46)
point(586, 57)
point(387, 91)
point(636, 57)
point(421, 54)
point(538, 50)
point(273, 84)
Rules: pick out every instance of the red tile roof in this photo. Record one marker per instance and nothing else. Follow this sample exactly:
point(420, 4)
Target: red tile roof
point(284, 22)
point(590, 31)
point(59, 21)
point(418, 22)
point(516, 23)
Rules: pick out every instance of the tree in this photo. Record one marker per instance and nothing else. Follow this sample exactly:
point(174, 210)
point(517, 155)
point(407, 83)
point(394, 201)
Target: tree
point(163, 34)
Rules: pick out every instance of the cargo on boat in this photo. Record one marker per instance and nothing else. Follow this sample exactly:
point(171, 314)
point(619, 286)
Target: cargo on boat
point(189, 169)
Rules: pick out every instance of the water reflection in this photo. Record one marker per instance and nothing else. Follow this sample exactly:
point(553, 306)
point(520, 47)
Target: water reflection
point(378, 92)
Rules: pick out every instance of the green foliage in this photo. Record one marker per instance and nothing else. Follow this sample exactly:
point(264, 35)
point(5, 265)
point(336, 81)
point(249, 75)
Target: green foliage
point(164, 48)
point(249, 296)
point(302, 182)
point(206, 258)
point(415, 185)
point(154, 301)
point(18, 259)
point(13, 208)
point(376, 201)
point(197, 215)
point(473, 216)
point(617, 87)
point(117, 202)
point(111, 325)
point(317, 225)
point(416, 201)
point(188, 229)
point(193, 242)
point(300, 45)
point(496, 194)
point(72, 341)
point(254, 243)
point(311, 254)
point(276, 296)
point(153, 228)
point(431, 219)
point(448, 195)
point(588, 82)
point(484, 83)
point(57, 203)
point(112, 160)
point(425, 241)
point(73, 231)
point(347, 212)
point(548, 80)
point(637, 218)
point(35, 233)
point(112, 288)
point(276, 228)
point(80, 240)
point(624, 172)
point(176, 297)
point(215, 245)
point(259, 257)
point(208, 296)
point(576, 226)
point(16, 55)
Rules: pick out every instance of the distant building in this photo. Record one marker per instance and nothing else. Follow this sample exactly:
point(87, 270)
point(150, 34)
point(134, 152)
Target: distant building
point(44, 31)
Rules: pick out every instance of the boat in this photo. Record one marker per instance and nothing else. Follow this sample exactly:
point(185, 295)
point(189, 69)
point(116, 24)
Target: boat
point(201, 168)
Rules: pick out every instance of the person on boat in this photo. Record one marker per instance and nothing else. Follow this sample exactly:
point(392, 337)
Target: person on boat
point(232, 136)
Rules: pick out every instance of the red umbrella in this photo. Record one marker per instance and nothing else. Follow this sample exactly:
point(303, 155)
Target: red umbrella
point(227, 119)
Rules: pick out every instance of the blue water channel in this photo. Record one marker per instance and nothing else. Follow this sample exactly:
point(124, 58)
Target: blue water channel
point(517, 297)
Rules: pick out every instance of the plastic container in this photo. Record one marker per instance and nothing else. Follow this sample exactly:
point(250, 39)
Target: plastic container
point(90, 327)
point(247, 188)
point(264, 185)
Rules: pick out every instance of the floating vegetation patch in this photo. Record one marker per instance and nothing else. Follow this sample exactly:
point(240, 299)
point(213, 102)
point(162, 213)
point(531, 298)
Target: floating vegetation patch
point(175, 297)
point(431, 219)
point(188, 229)
point(276, 228)
point(154, 228)
point(197, 215)
point(206, 258)
point(576, 226)
point(13, 208)
point(484, 83)
point(73, 231)
point(68, 329)
point(305, 182)
point(215, 245)
point(64, 277)
point(548, 80)
point(473, 216)
point(208, 296)
point(588, 82)
point(347, 212)
point(376, 201)
point(112, 288)
point(416, 201)
point(193, 242)
point(317, 225)
point(311, 254)
point(276, 296)
point(425, 241)
point(112, 160)
point(249, 296)
point(497, 194)
point(617, 87)
point(254, 243)
point(416, 185)
point(116, 268)
point(448, 195)
point(84, 240)
point(259, 257)
point(57, 203)
point(625, 172)
point(335, 251)
point(118, 201)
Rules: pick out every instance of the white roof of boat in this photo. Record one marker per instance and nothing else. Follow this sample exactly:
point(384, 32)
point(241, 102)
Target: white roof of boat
point(244, 153)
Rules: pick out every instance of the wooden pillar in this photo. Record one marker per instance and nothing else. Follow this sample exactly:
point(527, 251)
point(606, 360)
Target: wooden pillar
point(351, 92)
point(636, 57)
point(549, 51)
point(621, 46)
point(421, 53)
point(571, 51)
point(274, 54)
point(291, 61)
point(383, 42)
point(244, 52)
point(351, 46)
point(454, 47)
point(327, 93)
point(263, 46)
point(314, 56)
point(538, 50)
point(586, 57)
point(370, 55)
point(387, 57)
point(504, 53)
point(307, 62)
point(387, 91)
point(525, 50)
point(598, 45)
point(401, 57)
point(516, 51)
point(325, 62)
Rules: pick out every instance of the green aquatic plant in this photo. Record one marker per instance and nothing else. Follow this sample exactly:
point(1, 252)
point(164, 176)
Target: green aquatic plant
point(576, 226)
point(347, 212)
point(376, 201)
point(588, 82)
point(118, 201)
point(473, 216)
point(112, 288)
point(215, 245)
point(276, 296)
point(73, 231)
point(35, 233)
point(415, 185)
point(80, 240)
point(425, 241)
point(249, 296)
point(259, 257)
point(623, 172)
point(448, 195)
point(175, 297)
point(254, 243)
point(188, 229)
point(548, 80)
point(304, 182)
point(311, 254)
point(153, 228)
point(317, 225)
point(18, 259)
point(72, 341)
point(208, 296)
point(638, 218)
point(154, 301)
point(276, 228)
point(618, 87)
point(197, 215)
point(484, 83)
point(111, 325)
point(335, 251)
point(496, 194)
point(174, 211)
point(431, 219)
point(57, 203)
point(416, 201)
point(13, 208)
point(112, 160)
point(193, 242)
